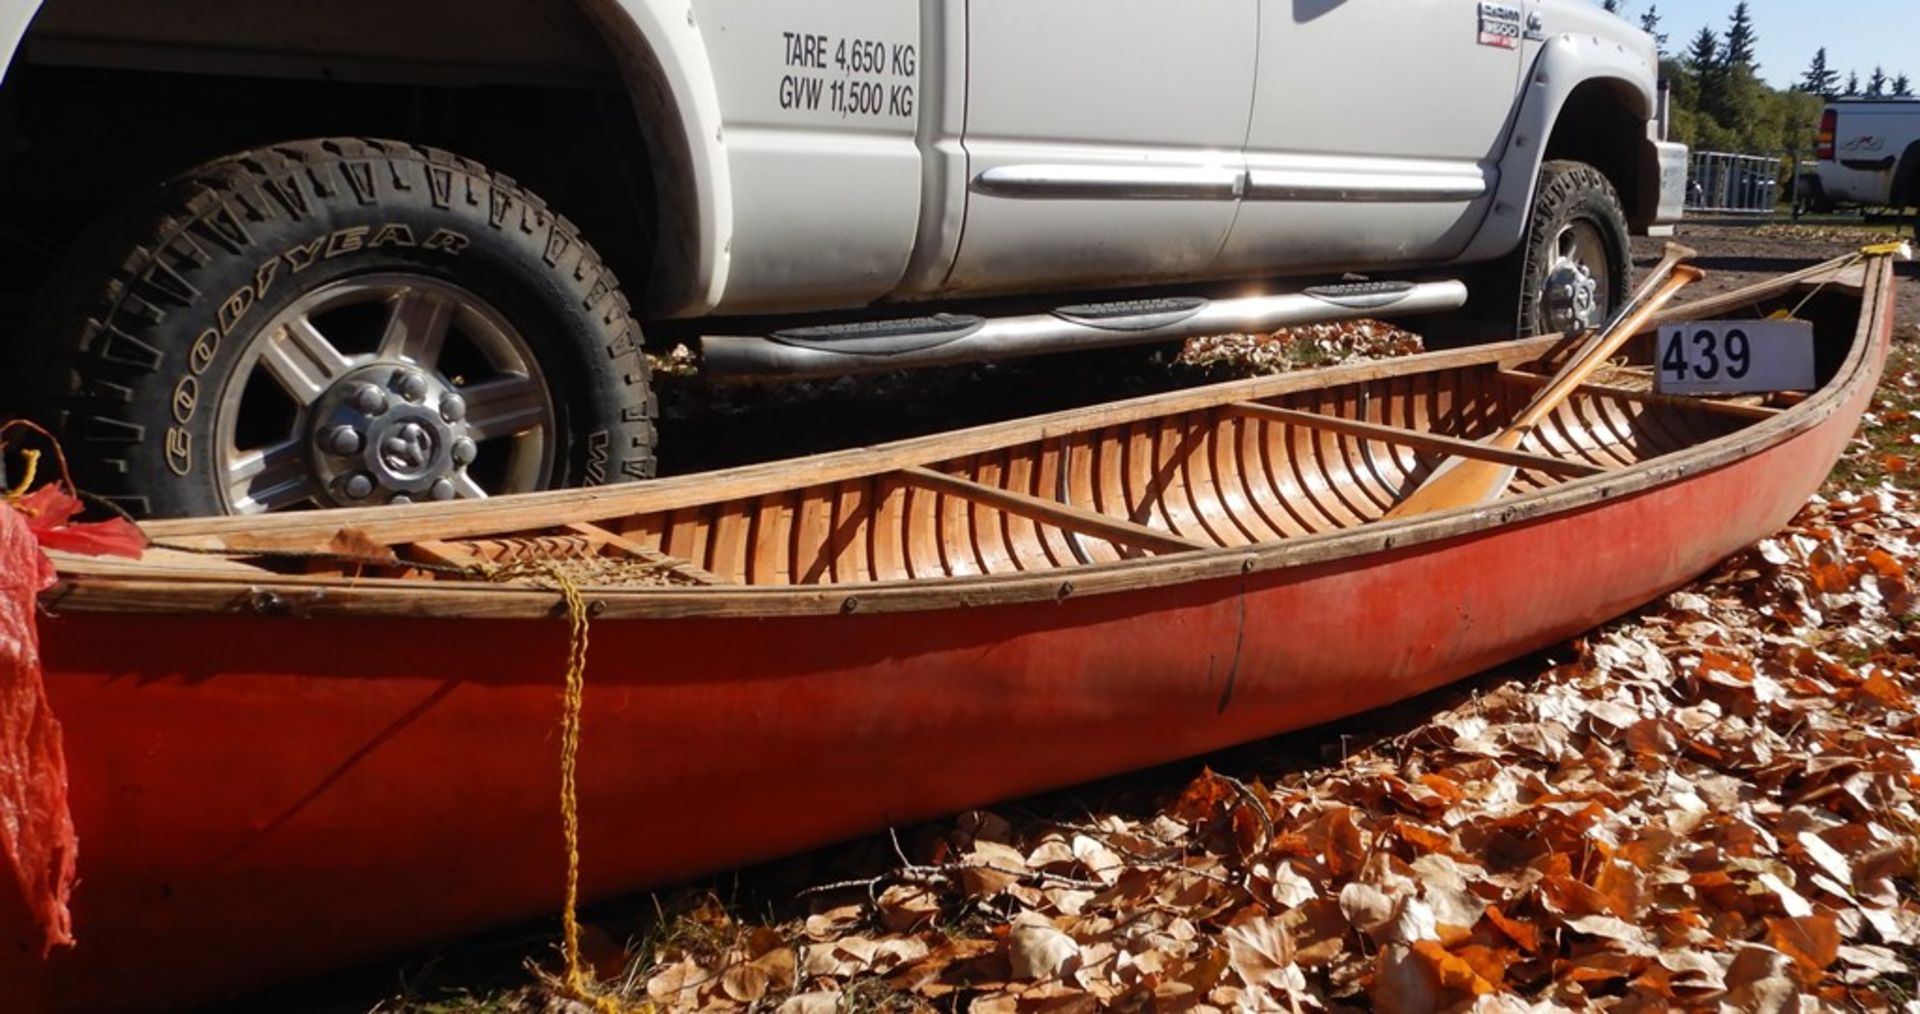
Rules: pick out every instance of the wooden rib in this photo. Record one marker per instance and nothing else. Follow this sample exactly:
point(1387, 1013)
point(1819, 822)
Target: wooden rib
point(1362, 473)
point(812, 539)
point(726, 542)
point(1109, 528)
point(1248, 464)
point(1533, 380)
point(1415, 438)
point(887, 532)
point(1050, 482)
point(1022, 534)
point(672, 564)
point(1228, 492)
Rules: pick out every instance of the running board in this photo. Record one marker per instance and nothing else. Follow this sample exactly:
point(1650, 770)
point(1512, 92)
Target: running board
point(945, 339)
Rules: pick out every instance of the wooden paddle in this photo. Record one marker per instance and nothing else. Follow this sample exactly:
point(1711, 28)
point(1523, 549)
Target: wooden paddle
point(1464, 482)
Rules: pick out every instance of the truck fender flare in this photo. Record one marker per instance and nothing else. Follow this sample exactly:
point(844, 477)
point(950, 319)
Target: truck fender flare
point(1565, 63)
point(663, 59)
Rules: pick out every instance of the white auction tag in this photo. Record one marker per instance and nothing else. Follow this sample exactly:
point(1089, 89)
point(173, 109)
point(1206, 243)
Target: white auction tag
point(1735, 357)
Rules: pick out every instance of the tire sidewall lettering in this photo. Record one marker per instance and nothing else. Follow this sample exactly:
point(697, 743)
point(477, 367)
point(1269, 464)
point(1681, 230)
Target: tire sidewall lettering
point(179, 451)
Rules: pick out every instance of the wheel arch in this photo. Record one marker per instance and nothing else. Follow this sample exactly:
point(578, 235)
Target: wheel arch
point(670, 81)
point(1574, 80)
point(1602, 124)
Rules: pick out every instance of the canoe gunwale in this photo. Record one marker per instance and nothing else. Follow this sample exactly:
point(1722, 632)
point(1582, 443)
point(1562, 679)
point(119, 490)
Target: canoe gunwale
point(92, 584)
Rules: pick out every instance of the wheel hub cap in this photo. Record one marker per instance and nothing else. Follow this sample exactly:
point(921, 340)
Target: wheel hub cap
point(1572, 299)
point(390, 433)
point(391, 388)
point(1573, 295)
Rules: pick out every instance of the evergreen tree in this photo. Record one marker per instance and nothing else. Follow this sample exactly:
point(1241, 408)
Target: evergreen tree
point(1853, 82)
point(1877, 84)
point(1819, 78)
point(1703, 61)
point(1612, 6)
point(1650, 24)
point(1740, 39)
point(1902, 88)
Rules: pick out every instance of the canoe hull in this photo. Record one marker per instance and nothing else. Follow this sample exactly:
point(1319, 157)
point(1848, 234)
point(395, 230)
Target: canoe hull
point(261, 798)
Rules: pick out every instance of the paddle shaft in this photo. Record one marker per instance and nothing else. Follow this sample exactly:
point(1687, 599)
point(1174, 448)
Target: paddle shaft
point(1459, 482)
point(1576, 372)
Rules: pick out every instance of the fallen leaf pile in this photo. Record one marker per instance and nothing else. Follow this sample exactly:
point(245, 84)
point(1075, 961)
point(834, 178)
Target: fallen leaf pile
point(1303, 347)
point(1711, 806)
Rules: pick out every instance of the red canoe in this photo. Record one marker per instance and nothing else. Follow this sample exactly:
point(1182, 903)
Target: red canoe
point(283, 761)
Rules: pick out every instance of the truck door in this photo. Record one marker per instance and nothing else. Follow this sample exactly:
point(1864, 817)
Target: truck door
point(1376, 130)
point(1102, 139)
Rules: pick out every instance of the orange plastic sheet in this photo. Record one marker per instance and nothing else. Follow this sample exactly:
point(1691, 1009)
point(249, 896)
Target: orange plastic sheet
point(37, 837)
point(36, 829)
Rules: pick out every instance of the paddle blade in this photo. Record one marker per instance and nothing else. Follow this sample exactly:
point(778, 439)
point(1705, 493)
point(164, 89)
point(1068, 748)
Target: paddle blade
point(1461, 482)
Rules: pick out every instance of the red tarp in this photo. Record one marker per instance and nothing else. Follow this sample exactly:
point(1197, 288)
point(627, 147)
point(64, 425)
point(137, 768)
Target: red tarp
point(36, 830)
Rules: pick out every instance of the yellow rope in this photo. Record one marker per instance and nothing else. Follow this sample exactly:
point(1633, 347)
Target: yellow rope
point(576, 983)
point(32, 458)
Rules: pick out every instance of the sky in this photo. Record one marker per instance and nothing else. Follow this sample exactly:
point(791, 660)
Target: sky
point(1857, 33)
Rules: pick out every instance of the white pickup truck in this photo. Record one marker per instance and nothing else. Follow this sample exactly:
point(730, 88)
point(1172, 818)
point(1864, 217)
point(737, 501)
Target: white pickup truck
point(287, 255)
point(1867, 153)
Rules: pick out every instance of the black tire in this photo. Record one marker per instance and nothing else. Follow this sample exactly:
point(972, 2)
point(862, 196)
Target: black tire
point(159, 304)
point(1811, 196)
point(1568, 193)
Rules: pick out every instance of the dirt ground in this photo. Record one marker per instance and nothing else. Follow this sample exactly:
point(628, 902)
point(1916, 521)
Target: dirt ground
point(707, 425)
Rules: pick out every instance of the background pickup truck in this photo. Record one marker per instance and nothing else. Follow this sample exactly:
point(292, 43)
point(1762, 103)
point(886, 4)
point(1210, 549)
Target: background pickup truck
point(1866, 153)
point(268, 255)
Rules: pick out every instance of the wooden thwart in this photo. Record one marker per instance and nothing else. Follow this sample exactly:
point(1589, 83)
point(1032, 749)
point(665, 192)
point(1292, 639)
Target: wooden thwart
point(1074, 519)
point(1419, 439)
point(1535, 381)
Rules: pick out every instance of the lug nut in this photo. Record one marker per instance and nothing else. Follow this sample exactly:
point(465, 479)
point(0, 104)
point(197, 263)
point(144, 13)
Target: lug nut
point(370, 399)
point(464, 451)
point(344, 440)
point(442, 489)
point(359, 486)
point(401, 498)
point(411, 385)
point(453, 408)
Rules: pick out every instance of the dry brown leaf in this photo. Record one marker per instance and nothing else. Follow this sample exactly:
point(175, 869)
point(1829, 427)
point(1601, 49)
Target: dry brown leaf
point(905, 907)
point(1760, 981)
point(1404, 982)
point(1454, 972)
point(1524, 934)
point(834, 921)
point(1813, 941)
point(1261, 953)
point(679, 983)
point(1039, 951)
point(819, 1001)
